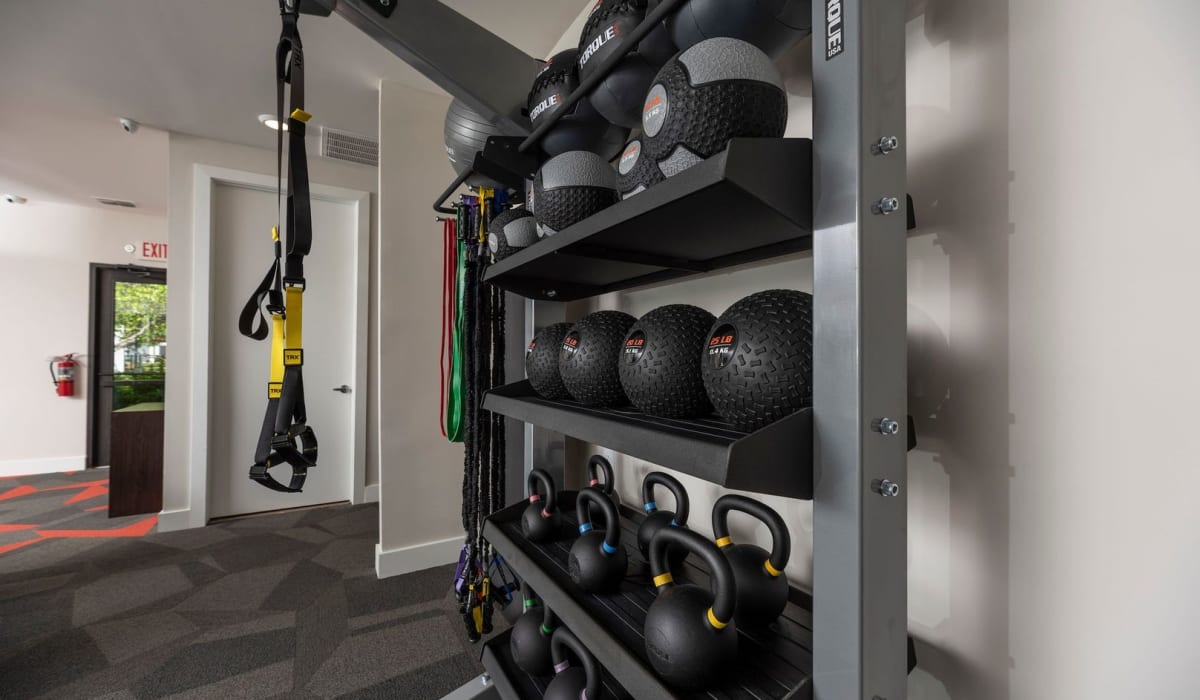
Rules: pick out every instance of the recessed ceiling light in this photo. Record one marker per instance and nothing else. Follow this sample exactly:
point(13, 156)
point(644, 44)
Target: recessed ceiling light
point(269, 121)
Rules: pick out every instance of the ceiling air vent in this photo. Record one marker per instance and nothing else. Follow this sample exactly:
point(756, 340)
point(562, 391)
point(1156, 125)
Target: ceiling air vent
point(115, 202)
point(353, 148)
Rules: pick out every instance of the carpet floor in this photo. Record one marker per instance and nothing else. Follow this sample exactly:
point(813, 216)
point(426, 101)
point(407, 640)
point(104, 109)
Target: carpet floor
point(283, 605)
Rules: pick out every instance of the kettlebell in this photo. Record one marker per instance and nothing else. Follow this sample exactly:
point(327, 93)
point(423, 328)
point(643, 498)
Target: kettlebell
point(762, 587)
point(530, 640)
point(572, 683)
point(690, 634)
point(597, 560)
point(599, 466)
point(658, 519)
point(539, 522)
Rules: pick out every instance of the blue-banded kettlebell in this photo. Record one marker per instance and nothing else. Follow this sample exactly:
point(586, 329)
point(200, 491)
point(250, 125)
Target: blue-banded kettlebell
point(530, 640)
point(539, 522)
point(690, 634)
point(658, 519)
point(762, 587)
point(597, 560)
point(571, 683)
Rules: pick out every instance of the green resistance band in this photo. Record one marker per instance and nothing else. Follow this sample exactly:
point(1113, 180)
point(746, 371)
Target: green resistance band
point(454, 392)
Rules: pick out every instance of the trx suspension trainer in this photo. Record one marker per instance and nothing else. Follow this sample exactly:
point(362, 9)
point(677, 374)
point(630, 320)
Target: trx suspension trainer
point(285, 435)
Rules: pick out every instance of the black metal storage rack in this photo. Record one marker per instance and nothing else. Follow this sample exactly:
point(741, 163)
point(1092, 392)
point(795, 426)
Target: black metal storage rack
point(839, 195)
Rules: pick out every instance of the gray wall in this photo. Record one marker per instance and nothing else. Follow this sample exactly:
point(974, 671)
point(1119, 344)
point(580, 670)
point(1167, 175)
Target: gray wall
point(1052, 158)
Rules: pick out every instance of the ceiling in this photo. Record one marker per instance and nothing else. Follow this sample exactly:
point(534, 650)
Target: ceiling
point(71, 68)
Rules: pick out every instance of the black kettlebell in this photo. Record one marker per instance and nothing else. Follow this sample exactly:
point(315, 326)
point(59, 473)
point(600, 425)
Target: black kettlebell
point(690, 634)
point(599, 466)
point(658, 519)
point(539, 522)
point(572, 683)
point(762, 587)
point(530, 640)
point(597, 561)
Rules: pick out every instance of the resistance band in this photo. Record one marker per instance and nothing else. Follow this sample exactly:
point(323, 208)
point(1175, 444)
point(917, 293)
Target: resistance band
point(285, 435)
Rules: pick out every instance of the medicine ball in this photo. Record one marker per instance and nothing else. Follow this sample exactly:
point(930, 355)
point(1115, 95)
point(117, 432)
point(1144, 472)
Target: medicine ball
point(571, 187)
point(466, 132)
point(510, 231)
point(757, 365)
point(618, 97)
point(708, 94)
point(636, 174)
point(541, 361)
point(582, 128)
point(588, 359)
point(773, 26)
point(660, 362)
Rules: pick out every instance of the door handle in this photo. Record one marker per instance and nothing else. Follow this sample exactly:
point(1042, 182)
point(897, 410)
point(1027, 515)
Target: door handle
point(343, 389)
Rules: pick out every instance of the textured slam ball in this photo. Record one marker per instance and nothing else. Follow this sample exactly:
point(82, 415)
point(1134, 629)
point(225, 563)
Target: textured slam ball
point(466, 133)
point(757, 365)
point(717, 90)
point(541, 361)
point(618, 97)
point(571, 187)
point(636, 174)
point(589, 355)
point(660, 363)
point(511, 231)
point(772, 25)
point(582, 127)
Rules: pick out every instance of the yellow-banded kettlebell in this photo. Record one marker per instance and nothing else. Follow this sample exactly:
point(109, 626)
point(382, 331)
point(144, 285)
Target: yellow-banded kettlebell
point(762, 587)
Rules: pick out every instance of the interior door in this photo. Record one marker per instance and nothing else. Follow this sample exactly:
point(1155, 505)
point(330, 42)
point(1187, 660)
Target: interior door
point(241, 249)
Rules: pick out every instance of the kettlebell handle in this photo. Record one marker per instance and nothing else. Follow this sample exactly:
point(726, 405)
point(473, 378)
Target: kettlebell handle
point(674, 486)
point(598, 461)
point(724, 589)
point(564, 640)
point(540, 478)
point(531, 601)
point(612, 524)
point(781, 541)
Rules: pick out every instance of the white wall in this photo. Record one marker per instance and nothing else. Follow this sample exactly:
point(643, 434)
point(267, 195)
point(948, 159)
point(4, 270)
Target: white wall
point(1053, 534)
point(45, 252)
point(185, 152)
point(421, 473)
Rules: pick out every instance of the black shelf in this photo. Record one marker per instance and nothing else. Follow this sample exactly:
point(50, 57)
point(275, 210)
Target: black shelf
point(774, 460)
point(751, 202)
point(771, 663)
point(514, 684)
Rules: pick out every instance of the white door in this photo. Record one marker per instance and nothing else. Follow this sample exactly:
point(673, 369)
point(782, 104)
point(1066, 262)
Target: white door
point(241, 250)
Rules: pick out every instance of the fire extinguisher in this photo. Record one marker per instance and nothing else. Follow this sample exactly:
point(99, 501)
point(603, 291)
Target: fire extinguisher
point(62, 371)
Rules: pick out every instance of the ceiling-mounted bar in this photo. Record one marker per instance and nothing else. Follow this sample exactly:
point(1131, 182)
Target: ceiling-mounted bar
point(859, 374)
point(466, 60)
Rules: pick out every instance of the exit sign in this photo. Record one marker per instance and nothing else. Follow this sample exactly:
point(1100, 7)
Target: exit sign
point(150, 250)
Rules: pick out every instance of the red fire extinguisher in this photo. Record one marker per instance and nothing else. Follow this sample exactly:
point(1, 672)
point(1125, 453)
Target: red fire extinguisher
point(62, 370)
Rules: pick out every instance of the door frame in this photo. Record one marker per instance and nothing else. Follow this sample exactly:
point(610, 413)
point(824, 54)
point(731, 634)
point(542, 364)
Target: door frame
point(206, 179)
point(94, 343)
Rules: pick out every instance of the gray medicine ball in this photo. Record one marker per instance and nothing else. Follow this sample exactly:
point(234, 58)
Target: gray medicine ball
point(660, 362)
point(510, 231)
point(716, 90)
point(757, 363)
point(589, 355)
point(571, 187)
point(636, 174)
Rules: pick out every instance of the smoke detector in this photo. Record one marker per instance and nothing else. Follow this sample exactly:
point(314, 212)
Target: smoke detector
point(110, 202)
point(14, 198)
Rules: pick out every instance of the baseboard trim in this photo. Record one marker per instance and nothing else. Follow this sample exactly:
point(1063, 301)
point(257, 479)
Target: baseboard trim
point(172, 520)
point(25, 467)
point(418, 557)
point(371, 493)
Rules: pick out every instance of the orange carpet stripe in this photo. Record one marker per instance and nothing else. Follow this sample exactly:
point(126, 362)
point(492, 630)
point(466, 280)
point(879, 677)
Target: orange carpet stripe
point(17, 545)
point(15, 527)
point(80, 485)
point(88, 494)
point(138, 529)
point(17, 492)
point(93, 509)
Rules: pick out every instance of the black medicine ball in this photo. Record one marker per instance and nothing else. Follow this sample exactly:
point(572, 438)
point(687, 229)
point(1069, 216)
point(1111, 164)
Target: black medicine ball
point(582, 128)
point(589, 355)
point(772, 25)
point(618, 97)
point(510, 231)
point(757, 365)
point(541, 361)
point(717, 90)
point(636, 174)
point(571, 187)
point(660, 362)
